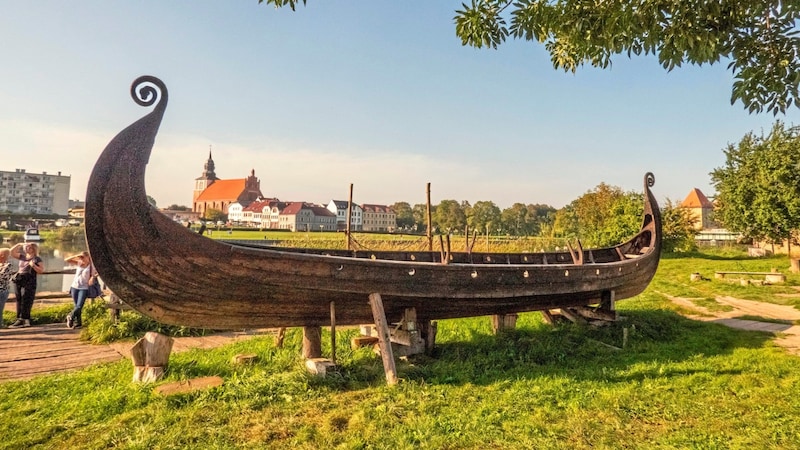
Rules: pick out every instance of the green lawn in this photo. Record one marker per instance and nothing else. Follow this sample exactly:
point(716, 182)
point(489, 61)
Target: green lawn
point(676, 384)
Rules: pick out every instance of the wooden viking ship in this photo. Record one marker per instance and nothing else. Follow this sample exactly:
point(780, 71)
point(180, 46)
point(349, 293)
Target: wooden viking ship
point(177, 276)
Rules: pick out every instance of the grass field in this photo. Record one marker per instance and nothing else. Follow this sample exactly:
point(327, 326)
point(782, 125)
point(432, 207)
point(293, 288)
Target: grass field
point(677, 384)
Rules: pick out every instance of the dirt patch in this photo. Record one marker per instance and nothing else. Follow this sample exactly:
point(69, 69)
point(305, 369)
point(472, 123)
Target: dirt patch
point(778, 319)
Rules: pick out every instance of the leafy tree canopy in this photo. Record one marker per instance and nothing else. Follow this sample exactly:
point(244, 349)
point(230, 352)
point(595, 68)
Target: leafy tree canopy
point(603, 216)
point(758, 37)
point(403, 214)
point(678, 227)
point(758, 188)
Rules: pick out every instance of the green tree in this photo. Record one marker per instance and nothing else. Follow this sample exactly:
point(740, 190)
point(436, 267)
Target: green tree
point(420, 213)
point(449, 217)
point(403, 215)
point(175, 207)
point(485, 213)
point(758, 188)
point(515, 219)
point(678, 228)
point(601, 217)
point(152, 201)
point(759, 37)
point(214, 215)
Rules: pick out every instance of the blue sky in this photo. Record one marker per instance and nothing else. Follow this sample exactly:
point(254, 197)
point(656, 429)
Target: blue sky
point(376, 93)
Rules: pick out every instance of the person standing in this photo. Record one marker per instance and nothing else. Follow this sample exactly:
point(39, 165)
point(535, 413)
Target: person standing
point(30, 265)
point(5, 281)
point(80, 286)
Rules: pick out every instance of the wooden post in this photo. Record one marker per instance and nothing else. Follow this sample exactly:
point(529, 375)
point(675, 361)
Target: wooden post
point(428, 330)
point(503, 322)
point(333, 332)
point(150, 356)
point(279, 337)
point(430, 235)
point(349, 212)
point(382, 327)
point(312, 342)
point(608, 302)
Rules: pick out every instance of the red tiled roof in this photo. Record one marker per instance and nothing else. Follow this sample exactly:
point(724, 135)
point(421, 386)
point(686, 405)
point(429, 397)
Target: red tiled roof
point(376, 208)
point(292, 208)
point(696, 199)
point(223, 190)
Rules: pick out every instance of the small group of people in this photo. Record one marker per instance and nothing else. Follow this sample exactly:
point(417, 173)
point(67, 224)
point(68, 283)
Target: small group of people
point(24, 280)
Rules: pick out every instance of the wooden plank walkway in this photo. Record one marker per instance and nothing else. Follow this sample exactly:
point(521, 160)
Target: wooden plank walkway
point(51, 348)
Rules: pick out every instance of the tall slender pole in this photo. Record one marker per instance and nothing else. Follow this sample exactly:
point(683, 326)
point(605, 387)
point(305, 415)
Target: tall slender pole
point(333, 332)
point(430, 235)
point(349, 212)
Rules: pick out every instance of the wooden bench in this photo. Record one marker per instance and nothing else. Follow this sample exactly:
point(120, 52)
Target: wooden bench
point(769, 277)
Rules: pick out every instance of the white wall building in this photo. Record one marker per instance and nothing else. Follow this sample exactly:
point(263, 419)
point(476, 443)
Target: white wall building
point(339, 207)
point(28, 193)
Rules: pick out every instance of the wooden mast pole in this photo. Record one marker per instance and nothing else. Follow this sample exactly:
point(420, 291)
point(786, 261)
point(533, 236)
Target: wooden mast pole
point(430, 235)
point(349, 212)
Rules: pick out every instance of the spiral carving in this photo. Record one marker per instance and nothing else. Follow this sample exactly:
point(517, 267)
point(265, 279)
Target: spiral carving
point(649, 179)
point(147, 90)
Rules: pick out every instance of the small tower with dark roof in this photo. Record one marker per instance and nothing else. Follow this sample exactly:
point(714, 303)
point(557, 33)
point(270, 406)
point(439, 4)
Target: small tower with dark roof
point(206, 179)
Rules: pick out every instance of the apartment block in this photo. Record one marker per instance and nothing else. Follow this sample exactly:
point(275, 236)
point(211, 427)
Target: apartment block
point(29, 193)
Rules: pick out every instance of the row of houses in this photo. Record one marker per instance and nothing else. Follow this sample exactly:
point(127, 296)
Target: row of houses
point(305, 216)
point(244, 204)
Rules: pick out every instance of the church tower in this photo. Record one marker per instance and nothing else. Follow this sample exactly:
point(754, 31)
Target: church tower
point(206, 179)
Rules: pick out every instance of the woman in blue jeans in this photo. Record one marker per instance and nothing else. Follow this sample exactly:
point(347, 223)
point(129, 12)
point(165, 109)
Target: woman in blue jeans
point(79, 287)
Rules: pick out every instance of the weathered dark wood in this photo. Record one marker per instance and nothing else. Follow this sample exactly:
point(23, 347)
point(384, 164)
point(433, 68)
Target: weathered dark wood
point(172, 275)
point(428, 329)
point(382, 327)
point(574, 316)
point(312, 342)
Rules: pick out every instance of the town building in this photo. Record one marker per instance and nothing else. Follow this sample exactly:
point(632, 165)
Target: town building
point(211, 192)
point(301, 216)
point(339, 207)
point(29, 193)
point(378, 218)
point(262, 213)
point(700, 208)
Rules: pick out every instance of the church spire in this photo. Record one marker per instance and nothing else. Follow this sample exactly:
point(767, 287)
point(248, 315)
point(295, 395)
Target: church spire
point(208, 168)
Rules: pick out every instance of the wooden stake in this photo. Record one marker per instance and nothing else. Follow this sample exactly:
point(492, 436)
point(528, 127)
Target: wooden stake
point(349, 212)
point(382, 327)
point(312, 342)
point(430, 235)
point(279, 337)
point(333, 332)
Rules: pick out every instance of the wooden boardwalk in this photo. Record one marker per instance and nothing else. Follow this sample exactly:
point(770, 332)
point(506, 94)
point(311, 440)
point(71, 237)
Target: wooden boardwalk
point(51, 348)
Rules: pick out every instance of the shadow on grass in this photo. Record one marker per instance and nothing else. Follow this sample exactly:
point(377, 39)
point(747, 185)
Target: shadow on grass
point(654, 337)
point(656, 340)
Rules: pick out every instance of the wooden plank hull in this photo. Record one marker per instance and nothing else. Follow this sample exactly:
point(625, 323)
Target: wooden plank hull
point(178, 277)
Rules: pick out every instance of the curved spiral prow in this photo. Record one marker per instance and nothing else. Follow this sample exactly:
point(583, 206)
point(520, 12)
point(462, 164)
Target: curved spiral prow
point(147, 90)
point(649, 179)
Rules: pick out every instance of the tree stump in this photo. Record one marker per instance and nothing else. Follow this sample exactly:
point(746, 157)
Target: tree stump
point(150, 356)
